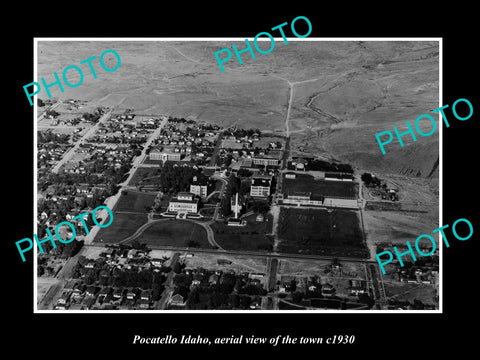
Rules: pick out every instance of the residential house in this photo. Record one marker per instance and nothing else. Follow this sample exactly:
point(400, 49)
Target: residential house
point(91, 290)
point(64, 298)
point(118, 293)
point(132, 293)
point(213, 279)
point(328, 290)
point(357, 287)
point(146, 295)
point(177, 300)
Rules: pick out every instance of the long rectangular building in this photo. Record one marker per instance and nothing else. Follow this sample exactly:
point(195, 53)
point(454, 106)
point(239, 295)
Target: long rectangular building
point(183, 202)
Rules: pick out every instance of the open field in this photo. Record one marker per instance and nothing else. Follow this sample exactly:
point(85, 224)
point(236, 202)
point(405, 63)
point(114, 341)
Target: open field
point(240, 263)
point(43, 285)
point(411, 291)
point(174, 233)
point(135, 201)
point(147, 161)
point(307, 183)
point(123, 225)
point(252, 237)
point(296, 267)
point(396, 227)
point(143, 173)
point(354, 90)
point(323, 232)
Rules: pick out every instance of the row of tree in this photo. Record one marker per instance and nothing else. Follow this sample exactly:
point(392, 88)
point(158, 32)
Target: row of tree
point(320, 165)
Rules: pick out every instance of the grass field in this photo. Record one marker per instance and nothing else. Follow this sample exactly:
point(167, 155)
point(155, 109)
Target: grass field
point(174, 233)
point(410, 291)
point(250, 237)
point(142, 173)
point(306, 183)
point(122, 226)
point(135, 202)
point(322, 232)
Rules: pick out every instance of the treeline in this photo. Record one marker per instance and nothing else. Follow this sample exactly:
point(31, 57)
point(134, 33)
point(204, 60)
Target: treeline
point(91, 117)
point(174, 179)
point(62, 250)
point(320, 165)
point(370, 180)
point(101, 274)
point(231, 292)
point(241, 132)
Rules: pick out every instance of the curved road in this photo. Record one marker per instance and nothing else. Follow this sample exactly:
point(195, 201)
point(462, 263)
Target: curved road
point(150, 222)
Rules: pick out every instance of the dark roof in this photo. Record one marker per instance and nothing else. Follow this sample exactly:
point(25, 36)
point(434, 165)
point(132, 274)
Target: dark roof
point(339, 176)
point(260, 182)
point(176, 200)
point(317, 197)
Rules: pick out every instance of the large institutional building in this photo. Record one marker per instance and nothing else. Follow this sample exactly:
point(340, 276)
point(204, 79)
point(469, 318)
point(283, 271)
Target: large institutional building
point(261, 185)
point(273, 158)
point(199, 186)
point(165, 154)
point(184, 202)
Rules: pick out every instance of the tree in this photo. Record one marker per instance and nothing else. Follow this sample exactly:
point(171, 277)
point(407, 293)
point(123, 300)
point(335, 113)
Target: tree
point(244, 173)
point(40, 270)
point(293, 285)
point(261, 207)
point(178, 267)
point(225, 206)
point(82, 261)
point(72, 248)
point(297, 296)
point(366, 299)
point(157, 291)
point(244, 188)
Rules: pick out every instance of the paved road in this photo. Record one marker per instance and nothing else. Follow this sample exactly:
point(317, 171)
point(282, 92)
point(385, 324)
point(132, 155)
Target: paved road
point(112, 200)
point(68, 155)
point(222, 191)
point(167, 293)
point(53, 107)
point(252, 253)
point(151, 221)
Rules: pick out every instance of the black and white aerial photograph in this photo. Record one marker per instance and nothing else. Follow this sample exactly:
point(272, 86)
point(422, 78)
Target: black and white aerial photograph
point(260, 187)
point(193, 180)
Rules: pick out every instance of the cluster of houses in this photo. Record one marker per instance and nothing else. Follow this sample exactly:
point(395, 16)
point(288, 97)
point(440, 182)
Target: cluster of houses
point(188, 142)
point(111, 155)
point(121, 129)
point(48, 155)
point(77, 295)
point(201, 278)
point(244, 152)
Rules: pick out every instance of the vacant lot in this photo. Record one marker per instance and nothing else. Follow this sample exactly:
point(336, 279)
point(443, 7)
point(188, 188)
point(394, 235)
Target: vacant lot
point(322, 232)
point(252, 237)
point(175, 233)
point(123, 225)
point(135, 201)
point(411, 291)
point(143, 175)
point(306, 183)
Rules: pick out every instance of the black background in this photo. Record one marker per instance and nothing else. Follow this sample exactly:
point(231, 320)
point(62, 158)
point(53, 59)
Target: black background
point(95, 335)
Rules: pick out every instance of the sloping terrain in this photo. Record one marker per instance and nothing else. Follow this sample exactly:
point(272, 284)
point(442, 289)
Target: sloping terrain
point(343, 93)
